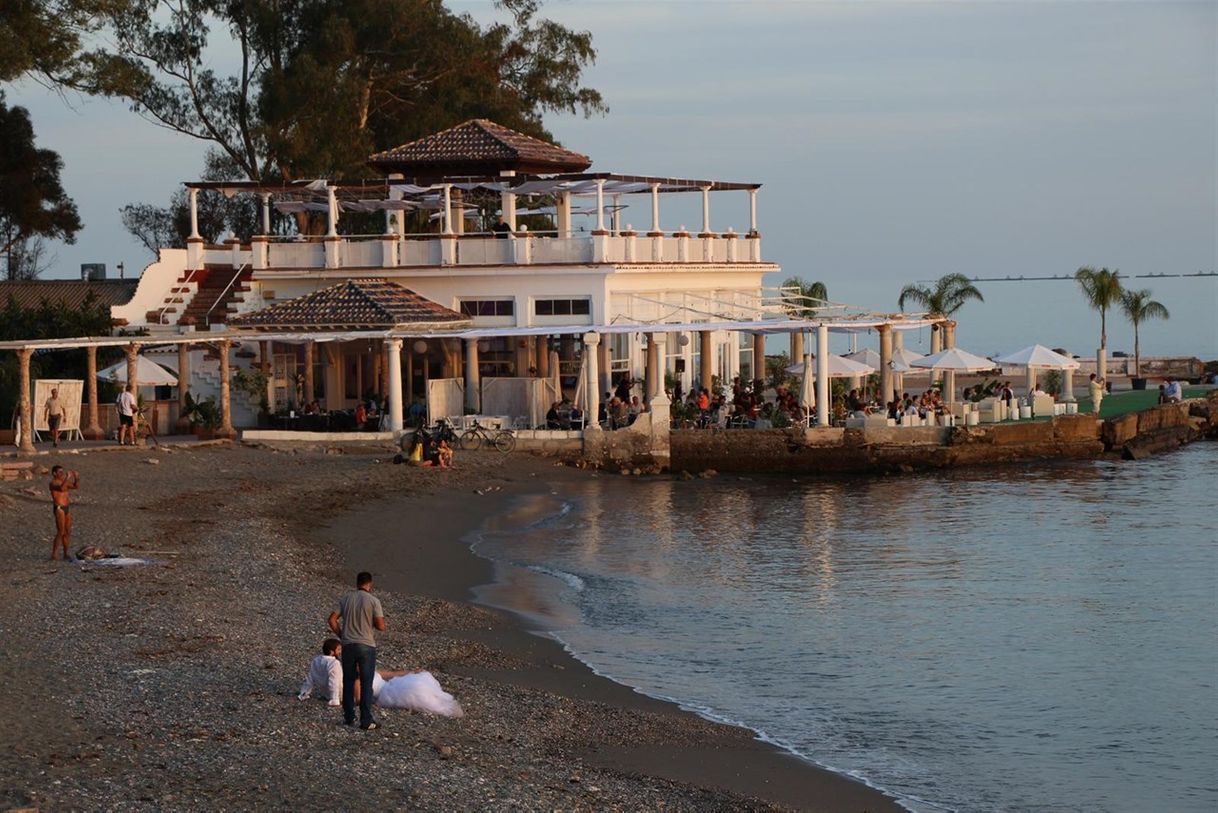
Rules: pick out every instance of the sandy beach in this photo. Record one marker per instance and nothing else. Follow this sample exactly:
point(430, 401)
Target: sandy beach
point(172, 684)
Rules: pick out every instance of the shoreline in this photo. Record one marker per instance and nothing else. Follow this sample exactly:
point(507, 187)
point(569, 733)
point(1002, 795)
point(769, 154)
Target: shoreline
point(442, 564)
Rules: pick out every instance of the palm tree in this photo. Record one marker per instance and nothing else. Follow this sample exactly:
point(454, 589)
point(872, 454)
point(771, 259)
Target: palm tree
point(950, 293)
point(1102, 290)
point(801, 299)
point(797, 294)
point(1139, 307)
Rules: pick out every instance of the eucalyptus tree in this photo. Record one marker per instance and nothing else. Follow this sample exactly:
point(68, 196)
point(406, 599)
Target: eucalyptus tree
point(1138, 307)
point(1102, 290)
point(948, 295)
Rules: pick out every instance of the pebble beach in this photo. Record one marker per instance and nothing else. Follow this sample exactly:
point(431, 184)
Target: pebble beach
point(172, 684)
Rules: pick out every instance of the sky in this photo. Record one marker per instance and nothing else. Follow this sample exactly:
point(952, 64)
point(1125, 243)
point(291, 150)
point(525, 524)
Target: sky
point(896, 142)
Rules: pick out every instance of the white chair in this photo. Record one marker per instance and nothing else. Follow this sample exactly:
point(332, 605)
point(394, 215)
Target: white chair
point(1042, 406)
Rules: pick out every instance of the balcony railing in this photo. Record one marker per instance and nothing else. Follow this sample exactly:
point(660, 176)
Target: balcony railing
point(523, 248)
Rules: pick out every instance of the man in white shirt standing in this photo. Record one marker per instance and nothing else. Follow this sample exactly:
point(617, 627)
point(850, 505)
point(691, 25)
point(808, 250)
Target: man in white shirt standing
point(126, 415)
point(325, 674)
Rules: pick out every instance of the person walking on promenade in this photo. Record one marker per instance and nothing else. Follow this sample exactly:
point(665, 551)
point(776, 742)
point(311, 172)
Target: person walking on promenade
point(355, 620)
point(54, 415)
point(61, 483)
point(1097, 393)
point(127, 405)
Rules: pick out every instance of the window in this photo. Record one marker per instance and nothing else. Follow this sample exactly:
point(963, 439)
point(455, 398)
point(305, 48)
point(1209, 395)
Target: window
point(563, 307)
point(488, 307)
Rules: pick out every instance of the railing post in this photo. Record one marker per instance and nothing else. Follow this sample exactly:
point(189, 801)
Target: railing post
point(260, 249)
point(628, 237)
point(389, 250)
point(730, 237)
point(682, 245)
point(333, 245)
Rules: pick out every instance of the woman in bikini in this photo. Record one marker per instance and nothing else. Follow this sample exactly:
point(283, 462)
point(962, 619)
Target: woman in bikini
point(61, 482)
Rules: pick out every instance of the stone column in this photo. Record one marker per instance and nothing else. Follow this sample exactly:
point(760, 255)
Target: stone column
point(93, 431)
point(797, 346)
point(656, 355)
point(822, 375)
point(183, 424)
point(1068, 386)
point(268, 368)
point(949, 341)
point(310, 349)
point(359, 376)
point(394, 348)
point(593, 382)
point(473, 384)
point(605, 366)
point(759, 357)
point(652, 370)
point(898, 343)
point(1030, 378)
point(885, 364)
point(26, 446)
point(706, 366)
point(226, 401)
point(334, 378)
point(936, 338)
point(543, 356)
point(133, 354)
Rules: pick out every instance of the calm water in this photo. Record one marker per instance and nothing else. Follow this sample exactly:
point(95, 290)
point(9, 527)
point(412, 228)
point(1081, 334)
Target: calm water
point(1020, 639)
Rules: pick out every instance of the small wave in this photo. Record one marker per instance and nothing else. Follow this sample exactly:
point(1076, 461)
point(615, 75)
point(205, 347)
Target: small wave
point(570, 579)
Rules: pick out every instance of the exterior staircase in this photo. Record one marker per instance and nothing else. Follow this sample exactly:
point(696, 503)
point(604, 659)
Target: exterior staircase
point(204, 297)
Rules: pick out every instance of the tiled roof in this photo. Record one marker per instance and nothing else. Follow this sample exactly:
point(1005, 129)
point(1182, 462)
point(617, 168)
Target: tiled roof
point(72, 293)
point(355, 304)
point(480, 146)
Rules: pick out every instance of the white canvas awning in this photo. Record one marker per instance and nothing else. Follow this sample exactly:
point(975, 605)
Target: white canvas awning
point(1038, 356)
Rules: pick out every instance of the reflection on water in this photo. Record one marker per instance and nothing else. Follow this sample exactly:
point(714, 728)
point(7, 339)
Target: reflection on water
point(1020, 638)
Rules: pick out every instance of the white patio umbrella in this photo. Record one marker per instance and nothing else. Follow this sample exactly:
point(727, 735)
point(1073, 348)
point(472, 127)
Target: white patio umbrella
point(954, 360)
point(1038, 356)
point(147, 373)
point(807, 390)
point(556, 375)
point(902, 358)
point(865, 356)
point(839, 367)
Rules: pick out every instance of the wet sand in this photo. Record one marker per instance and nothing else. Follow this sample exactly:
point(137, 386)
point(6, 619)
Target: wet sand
point(172, 685)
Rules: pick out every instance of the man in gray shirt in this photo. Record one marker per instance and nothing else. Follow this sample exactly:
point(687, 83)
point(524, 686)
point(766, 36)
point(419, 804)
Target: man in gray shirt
point(355, 620)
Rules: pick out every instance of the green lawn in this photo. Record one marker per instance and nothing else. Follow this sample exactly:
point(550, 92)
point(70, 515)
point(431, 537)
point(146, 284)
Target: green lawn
point(1120, 403)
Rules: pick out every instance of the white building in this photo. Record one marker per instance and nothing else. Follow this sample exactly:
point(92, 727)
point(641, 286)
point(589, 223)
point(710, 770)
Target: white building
point(528, 290)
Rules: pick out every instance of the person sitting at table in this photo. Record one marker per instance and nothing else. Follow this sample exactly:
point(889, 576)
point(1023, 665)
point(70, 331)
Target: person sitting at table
point(361, 416)
point(311, 408)
point(552, 419)
point(620, 414)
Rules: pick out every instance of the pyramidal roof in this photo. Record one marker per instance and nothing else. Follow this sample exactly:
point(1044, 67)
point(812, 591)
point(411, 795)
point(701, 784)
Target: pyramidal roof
point(478, 147)
point(367, 304)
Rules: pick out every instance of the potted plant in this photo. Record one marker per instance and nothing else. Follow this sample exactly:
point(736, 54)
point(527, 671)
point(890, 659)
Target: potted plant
point(204, 415)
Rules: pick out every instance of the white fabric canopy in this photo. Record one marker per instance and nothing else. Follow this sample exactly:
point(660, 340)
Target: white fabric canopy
point(839, 367)
point(902, 357)
point(148, 373)
point(1038, 356)
point(956, 360)
point(807, 392)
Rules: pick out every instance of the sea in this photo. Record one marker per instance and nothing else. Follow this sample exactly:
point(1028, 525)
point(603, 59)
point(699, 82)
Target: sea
point(1031, 638)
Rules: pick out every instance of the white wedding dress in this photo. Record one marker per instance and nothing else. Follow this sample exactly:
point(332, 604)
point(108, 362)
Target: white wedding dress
point(418, 691)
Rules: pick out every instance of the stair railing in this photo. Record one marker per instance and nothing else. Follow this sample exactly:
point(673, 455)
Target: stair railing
point(224, 293)
point(160, 316)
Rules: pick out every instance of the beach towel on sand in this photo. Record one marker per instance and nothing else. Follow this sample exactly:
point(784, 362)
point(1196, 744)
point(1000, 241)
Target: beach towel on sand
point(418, 691)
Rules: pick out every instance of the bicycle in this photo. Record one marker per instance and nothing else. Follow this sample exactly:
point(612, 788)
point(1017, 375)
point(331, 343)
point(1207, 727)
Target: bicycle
point(472, 438)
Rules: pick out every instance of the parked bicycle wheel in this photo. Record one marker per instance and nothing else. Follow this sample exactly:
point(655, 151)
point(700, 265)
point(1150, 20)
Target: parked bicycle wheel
point(505, 441)
point(471, 439)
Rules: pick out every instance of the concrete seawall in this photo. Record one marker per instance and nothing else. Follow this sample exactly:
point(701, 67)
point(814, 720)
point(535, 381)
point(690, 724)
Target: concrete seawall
point(891, 450)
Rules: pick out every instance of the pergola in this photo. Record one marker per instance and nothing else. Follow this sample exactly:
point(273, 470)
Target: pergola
point(311, 332)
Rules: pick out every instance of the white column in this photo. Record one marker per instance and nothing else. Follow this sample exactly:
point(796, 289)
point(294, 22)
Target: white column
point(706, 229)
point(507, 201)
point(1030, 378)
point(655, 211)
point(194, 213)
point(448, 208)
point(653, 367)
point(752, 210)
point(592, 385)
point(1068, 386)
point(395, 384)
point(266, 213)
point(564, 215)
point(822, 375)
point(758, 357)
point(331, 212)
point(706, 367)
point(473, 396)
point(600, 206)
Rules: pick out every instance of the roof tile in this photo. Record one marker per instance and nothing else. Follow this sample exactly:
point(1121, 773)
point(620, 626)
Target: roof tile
point(373, 303)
